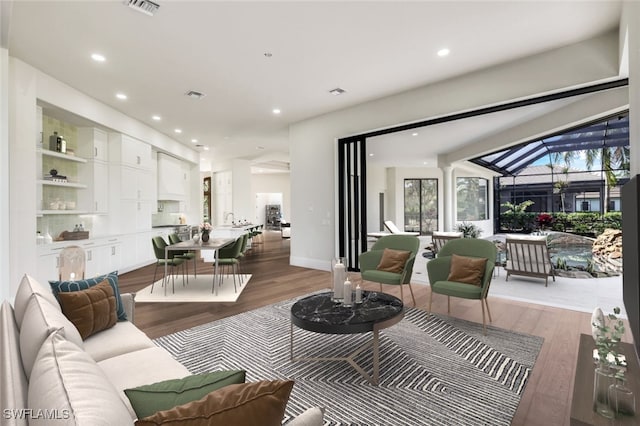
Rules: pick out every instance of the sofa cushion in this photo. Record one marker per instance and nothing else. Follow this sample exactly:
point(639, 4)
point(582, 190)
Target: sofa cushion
point(139, 368)
point(13, 385)
point(393, 260)
point(149, 399)
point(67, 380)
point(40, 319)
point(122, 338)
point(469, 270)
point(112, 278)
point(27, 287)
point(238, 405)
point(91, 310)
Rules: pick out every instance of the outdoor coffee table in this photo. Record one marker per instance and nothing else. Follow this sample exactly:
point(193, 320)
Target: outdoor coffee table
point(318, 313)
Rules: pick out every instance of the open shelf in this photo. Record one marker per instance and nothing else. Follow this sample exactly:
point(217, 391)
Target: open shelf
point(52, 212)
point(62, 184)
point(55, 154)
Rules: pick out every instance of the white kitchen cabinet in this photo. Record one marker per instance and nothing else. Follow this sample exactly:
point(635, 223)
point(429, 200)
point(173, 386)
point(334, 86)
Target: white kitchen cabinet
point(171, 178)
point(112, 255)
point(95, 199)
point(129, 151)
point(48, 267)
point(92, 144)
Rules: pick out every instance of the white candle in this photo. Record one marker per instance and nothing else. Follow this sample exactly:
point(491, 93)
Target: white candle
point(358, 294)
point(347, 295)
point(338, 279)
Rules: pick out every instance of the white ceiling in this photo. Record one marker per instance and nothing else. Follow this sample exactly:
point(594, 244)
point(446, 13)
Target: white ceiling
point(370, 49)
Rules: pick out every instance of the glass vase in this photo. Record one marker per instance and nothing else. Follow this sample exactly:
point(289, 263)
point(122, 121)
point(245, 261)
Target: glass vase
point(204, 237)
point(338, 276)
point(603, 379)
point(622, 400)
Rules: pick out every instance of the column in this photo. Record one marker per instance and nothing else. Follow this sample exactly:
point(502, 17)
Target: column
point(448, 187)
point(631, 14)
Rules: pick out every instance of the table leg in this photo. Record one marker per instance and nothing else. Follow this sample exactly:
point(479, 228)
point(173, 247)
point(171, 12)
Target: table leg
point(215, 271)
point(166, 256)
point(376, 357)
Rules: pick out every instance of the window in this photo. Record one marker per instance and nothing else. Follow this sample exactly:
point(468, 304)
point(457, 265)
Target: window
point(472, 198)
point(421, 205)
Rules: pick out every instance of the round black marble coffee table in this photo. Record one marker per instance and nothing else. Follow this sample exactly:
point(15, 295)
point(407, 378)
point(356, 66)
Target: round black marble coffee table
point(318, 313)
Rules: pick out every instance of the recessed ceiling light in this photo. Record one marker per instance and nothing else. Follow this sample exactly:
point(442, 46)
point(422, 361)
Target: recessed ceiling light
point(156, 117)
point(178, 130)
point(194, 140)
point(276, 111)
point(337, 91)
point(206, 148)
point(371, 154)
point(443, 52)
point(414, 134)
point(98, 57)
point(121, 96)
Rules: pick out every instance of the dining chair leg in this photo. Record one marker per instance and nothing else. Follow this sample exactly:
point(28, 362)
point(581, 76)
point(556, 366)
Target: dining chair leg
point(173, 280)
point(154, 277)
point(195, 264)
point(235, 290)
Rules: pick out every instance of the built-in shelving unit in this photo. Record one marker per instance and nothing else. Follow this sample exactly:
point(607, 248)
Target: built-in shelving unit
point(51, 212)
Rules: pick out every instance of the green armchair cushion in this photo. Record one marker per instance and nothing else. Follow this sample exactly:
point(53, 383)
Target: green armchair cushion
point(149, 399)
point(393, 260)
point(467, 270)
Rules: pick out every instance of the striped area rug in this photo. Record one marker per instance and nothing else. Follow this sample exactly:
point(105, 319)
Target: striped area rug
point(434, 370)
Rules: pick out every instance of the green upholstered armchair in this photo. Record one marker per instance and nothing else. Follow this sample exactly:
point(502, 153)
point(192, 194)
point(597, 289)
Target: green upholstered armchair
point(370, 260)
point(438, 270)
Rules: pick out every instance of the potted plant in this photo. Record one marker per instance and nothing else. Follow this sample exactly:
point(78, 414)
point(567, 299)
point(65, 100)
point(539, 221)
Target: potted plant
point(610, 395)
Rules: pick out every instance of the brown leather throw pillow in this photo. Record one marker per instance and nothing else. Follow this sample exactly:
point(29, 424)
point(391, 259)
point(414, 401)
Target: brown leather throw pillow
point(246, 404)
point(91, 310)
point(468, 270)
point(393, 260)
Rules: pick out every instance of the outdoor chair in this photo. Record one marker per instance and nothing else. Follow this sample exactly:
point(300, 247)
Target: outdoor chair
point(528, 255)
point(440, 238)
point(463, 268)
point(395, 230)
point(390, 261)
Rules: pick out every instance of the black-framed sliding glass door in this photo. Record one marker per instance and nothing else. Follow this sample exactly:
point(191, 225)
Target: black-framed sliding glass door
point(421, 205)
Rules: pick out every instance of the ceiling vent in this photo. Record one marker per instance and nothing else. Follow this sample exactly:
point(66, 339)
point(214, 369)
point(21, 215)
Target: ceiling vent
point(195, 95)
point(337, 91)
point(145, 6)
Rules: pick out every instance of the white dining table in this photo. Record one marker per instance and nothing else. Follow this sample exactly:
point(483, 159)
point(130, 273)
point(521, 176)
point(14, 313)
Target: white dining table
point(213, 244)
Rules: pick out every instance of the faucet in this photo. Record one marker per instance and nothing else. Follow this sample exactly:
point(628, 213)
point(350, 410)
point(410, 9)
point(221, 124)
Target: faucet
point(226, 217)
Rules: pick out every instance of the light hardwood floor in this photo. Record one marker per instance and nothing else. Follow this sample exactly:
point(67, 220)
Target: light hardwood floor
point(547, 397)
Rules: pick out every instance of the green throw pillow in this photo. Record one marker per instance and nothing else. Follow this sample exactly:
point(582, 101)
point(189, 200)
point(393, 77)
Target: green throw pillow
point(112, 278)
point(149, 399)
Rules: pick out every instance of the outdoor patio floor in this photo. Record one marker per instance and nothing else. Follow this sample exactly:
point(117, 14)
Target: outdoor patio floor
point(576, 294)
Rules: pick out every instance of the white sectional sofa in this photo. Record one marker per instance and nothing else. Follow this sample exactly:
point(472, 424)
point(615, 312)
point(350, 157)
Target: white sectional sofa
point(49, 375)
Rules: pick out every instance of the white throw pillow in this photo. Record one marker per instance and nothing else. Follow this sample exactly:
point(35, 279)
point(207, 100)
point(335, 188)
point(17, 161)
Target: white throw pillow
point(68, 386)
point(311, 417)
point(27, 287)
point(40, 319)
point(13, 382)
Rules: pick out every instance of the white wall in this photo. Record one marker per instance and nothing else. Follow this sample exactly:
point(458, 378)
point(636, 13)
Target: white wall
point(376, 184)
point(313, 142)
point(271, 183)
point(5, 247)
point(243, 199)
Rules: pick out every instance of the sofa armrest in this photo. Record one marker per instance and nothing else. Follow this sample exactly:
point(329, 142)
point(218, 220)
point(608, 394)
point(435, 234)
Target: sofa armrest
point(129, 304)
